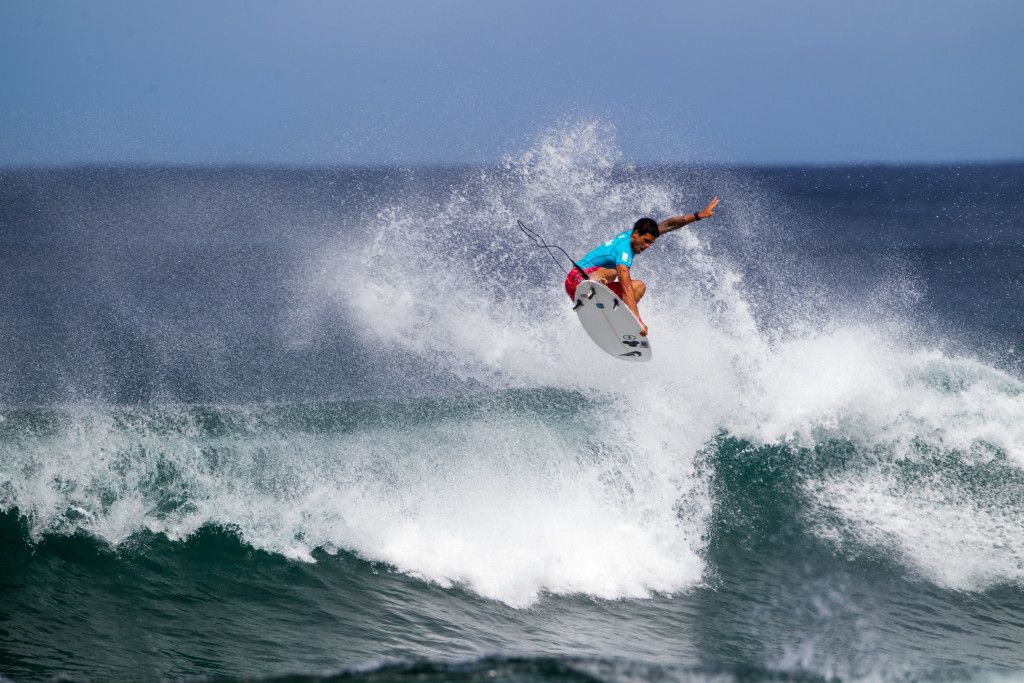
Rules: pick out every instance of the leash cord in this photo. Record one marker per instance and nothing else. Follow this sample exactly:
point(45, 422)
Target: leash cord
point(538, 240)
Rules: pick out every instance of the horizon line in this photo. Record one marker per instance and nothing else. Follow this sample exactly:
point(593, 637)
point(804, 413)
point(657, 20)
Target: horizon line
point(274, 166)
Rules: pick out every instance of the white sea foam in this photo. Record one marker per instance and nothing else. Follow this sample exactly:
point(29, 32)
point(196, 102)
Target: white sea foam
point(904, 409)
point(492, 502)
point(938, 530)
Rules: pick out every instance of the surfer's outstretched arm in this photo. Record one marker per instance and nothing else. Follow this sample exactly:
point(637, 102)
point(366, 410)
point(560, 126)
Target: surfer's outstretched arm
point(675, 222)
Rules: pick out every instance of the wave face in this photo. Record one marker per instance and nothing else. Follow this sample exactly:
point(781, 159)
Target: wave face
point(310, 421)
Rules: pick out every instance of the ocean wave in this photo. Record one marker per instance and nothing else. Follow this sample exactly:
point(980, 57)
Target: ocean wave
point(566, 472)
point(475, 492)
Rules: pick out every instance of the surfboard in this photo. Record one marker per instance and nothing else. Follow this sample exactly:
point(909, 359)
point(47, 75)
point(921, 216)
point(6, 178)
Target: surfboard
point(609, 322)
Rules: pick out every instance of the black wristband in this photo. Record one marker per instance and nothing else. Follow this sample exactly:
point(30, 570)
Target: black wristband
point(696, 216)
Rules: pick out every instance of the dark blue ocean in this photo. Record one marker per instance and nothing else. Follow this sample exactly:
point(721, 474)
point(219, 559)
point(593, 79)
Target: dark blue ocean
point(342, 424)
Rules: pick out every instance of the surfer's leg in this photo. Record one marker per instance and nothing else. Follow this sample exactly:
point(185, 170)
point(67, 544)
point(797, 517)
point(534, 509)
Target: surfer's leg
point(638, 289)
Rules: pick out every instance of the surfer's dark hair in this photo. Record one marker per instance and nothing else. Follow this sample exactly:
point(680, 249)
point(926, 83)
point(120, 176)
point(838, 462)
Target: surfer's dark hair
point(646, 226)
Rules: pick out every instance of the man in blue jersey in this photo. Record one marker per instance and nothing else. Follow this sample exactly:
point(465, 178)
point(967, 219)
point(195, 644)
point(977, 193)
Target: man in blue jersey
point(612, 260)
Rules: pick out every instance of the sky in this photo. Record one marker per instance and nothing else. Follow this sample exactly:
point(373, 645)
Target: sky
point(353, 82)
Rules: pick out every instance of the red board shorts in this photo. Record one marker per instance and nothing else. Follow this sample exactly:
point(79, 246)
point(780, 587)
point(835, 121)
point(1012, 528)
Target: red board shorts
point(574, 278)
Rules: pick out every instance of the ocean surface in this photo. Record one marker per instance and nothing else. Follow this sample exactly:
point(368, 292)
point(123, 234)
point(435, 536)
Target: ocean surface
point(342, 424)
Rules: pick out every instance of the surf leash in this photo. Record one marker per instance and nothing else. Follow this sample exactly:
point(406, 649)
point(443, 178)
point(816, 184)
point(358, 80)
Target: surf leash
point(538, 240)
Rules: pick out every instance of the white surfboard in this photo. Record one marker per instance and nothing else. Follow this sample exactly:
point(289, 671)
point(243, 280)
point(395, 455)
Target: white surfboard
point(609, 322)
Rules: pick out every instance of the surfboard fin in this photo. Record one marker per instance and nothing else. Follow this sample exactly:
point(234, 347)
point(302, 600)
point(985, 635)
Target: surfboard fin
point(579, 304)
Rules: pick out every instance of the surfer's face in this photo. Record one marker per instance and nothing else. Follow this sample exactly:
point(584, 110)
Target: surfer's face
point(640, 242)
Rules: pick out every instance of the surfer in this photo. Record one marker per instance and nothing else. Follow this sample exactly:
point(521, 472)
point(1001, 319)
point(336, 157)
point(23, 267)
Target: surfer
point(612, 260)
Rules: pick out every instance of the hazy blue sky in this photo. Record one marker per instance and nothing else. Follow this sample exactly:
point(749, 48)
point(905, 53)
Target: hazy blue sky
point(468, 81)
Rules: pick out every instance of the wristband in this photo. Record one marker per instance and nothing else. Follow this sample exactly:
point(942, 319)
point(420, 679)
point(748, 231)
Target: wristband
point(696, 216)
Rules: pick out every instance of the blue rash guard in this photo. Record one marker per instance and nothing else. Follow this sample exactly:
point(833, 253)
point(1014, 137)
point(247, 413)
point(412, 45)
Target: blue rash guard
point(615, 252)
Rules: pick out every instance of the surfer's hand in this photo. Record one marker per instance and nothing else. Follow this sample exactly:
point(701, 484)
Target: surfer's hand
point(643, 330)
point(709, 210)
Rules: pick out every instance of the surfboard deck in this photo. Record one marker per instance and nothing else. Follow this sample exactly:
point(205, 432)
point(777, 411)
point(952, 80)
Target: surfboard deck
point(609, 322)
